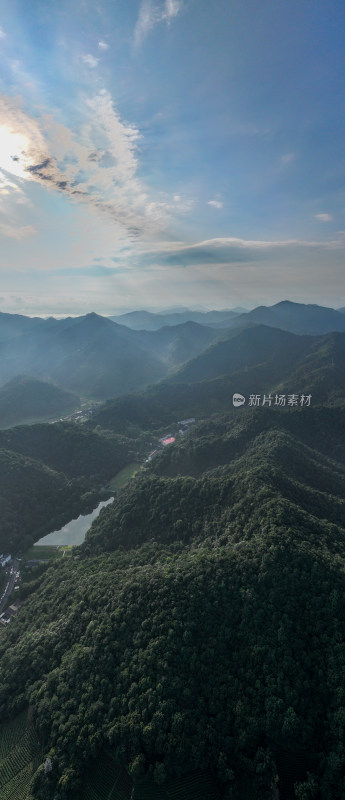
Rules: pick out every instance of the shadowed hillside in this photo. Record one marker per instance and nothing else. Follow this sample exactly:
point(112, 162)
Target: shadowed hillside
point(24, 400)
point(50, 474)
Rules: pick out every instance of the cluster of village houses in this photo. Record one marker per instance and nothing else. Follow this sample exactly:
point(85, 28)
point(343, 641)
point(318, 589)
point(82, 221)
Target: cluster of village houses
point(169, 439)
point(9, 612)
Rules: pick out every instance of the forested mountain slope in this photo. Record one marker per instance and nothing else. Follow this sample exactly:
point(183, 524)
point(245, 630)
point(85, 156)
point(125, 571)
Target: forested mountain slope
point(284, 356)
point(201, 625)
point(88, 355)
point(254, 360)
point(24, 400)
point(246, 348)
point(94, 356)
point(50, 474)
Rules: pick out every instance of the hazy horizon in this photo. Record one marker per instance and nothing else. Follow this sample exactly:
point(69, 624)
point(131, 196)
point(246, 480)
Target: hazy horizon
point(116, 312)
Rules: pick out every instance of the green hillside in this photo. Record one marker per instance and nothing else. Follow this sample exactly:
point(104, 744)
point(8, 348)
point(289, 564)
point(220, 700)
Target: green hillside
point(256, 345)
point(199, 629)
point(26, 399)
point(69, 448)
point(50, 474)
point(255, 360)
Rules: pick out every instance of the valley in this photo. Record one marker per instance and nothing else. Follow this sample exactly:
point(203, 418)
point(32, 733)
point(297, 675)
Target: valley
point(191, 644)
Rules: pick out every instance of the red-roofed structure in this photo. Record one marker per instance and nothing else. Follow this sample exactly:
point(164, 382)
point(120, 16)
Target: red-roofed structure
point(169, 440)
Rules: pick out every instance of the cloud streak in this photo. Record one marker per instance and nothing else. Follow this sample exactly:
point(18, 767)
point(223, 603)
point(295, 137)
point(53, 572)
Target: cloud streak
point(323, 217)
point(16, 232)
point(215, 203)
point(98, 166)
point(231, 251)
point(151, 14)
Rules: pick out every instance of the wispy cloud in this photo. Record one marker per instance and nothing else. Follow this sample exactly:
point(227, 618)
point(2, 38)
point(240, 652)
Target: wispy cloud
point(103, 45)
point(98, 165)
point(92, 271)
point(287, 158)
point(151, 14)
point(323, 217)
point(14, 232)
point(2, 34)
point(90, 61)
point(215, 203)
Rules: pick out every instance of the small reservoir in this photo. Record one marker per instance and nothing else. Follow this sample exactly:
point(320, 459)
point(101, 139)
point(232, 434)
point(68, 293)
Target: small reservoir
point(75, 531)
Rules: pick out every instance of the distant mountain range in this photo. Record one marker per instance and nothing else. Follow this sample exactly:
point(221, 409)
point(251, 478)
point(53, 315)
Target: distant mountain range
point(93, 356)
point(146, 320)
point(96, 357)
point(294, 317)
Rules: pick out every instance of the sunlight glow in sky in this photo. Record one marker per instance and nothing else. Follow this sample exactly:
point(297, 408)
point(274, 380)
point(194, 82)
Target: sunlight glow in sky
point(171, 152)
point(13, 152)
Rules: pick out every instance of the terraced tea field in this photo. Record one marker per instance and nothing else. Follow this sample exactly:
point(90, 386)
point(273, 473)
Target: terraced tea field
point(20, 756)
point(194, 786)
point(106, 780)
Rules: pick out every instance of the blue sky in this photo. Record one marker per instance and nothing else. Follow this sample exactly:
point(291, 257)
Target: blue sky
point(167, 152)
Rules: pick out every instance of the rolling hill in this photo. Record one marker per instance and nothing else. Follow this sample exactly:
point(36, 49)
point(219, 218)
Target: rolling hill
point(253, 360)
point(98, 358)
point(89, 355)
point(176, 344)
point(243, 349)
point(25, 399)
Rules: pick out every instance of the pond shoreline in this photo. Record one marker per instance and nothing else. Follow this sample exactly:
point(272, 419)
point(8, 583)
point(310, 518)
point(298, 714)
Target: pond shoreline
point(74, 532)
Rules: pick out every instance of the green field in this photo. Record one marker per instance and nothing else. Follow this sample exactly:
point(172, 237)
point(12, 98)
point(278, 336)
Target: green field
point(20, 756)
point(122, 477)
point(43, 553)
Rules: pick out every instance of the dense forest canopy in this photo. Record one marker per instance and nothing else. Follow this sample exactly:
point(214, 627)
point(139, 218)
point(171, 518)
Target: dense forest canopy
point(201, 624)
point(50, 474)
